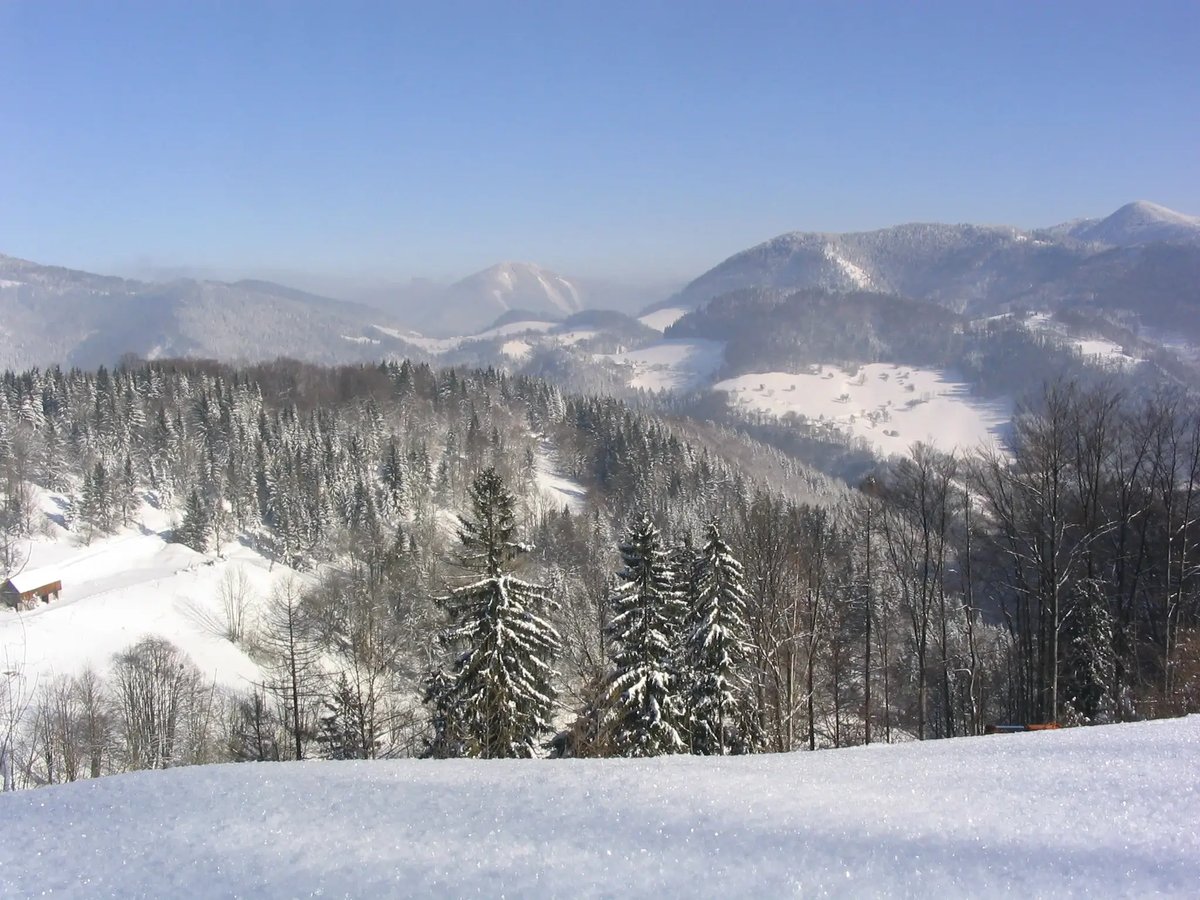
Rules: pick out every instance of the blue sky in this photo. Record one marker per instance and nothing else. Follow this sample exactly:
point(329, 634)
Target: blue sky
point(605, 139)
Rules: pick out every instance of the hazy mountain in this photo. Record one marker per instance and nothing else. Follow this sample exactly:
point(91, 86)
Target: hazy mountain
point(55, 315)
point(472, 303)
point(967, 268)
point(1138, 223)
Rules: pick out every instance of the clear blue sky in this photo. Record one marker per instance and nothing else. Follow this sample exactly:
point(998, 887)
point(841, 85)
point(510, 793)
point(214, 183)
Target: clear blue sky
point(596, 138)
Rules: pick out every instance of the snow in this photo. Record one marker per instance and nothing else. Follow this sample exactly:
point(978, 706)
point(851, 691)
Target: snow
point(359, 340)
point(1107, 811)
point(855, 275)
point(444, 345)
point(671, 365)
point(570, 338)
point(516, 349)
point(1106, 351)
point(124, 587)
point(662, 319)
point(890, 406)
point(1096, 350)
point(554, 488)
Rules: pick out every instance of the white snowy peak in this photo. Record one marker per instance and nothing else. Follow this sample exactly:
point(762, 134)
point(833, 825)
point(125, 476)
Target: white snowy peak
point(1136, 223)
point(965, 267)
point(521, 285)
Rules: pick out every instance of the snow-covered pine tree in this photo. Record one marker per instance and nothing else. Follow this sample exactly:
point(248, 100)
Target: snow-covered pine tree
point(1089, 663)
point(342, 726)
point(645, 711)
point(724, 717)
point(196, 529)
point(499, 682)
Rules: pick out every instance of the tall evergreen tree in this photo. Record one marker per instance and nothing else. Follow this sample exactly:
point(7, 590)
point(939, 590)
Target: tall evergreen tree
point(724, 719)
point(196, 529)
point(1089, 664)
point(645, 712)
point(499, 683)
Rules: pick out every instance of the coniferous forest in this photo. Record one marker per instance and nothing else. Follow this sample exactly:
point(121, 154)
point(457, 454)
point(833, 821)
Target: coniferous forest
point(703, 594)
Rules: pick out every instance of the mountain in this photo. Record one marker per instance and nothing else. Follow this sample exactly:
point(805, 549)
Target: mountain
point(968, 268)
point(472, 303)
point(1138, 223)
point(55, 315)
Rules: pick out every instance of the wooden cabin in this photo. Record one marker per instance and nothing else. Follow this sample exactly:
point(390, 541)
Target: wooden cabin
point(23, 591)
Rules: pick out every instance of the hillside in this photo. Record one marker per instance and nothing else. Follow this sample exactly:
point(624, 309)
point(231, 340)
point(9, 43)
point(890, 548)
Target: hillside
point(975, 269)
point(1089, 812)
point(53, 315)
point(475, 301)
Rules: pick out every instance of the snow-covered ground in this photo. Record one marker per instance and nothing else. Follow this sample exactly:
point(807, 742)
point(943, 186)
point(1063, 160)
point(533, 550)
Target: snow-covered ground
point(890, 406)
point(444, 345)
point(1095, 350)
point(662, 319)
point(126, 586)
point(556, 490)
point(671, 365)
point(1100, 812)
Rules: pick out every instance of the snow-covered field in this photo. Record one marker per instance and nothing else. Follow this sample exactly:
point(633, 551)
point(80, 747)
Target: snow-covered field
point(436, 346)
point(1095, 350)
point(671, 365)
point(121, 588)
point(890, 406)
point(662, 319)
point(1101, 812)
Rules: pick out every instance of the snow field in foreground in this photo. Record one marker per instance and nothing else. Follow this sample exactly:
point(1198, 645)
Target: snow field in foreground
point(890, 406)
point(1109, 811)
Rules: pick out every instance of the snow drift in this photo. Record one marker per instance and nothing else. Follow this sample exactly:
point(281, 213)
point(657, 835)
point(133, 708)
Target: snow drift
point(1102, 811)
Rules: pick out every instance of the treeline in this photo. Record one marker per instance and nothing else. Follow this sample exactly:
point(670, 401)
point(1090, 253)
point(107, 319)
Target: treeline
point(686, 607)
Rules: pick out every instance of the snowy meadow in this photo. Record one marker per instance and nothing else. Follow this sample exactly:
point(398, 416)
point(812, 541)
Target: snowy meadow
point(1105, 811)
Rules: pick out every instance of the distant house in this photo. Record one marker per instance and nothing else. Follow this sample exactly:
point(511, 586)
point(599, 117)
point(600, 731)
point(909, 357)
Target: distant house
point(23, 591)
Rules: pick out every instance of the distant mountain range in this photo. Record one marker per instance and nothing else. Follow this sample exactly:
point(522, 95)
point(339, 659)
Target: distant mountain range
point(55, 315)
point(1143, 257)
point(479, 299)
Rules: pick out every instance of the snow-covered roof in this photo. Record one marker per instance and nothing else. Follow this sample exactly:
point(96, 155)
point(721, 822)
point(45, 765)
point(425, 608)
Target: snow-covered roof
point(32, 579)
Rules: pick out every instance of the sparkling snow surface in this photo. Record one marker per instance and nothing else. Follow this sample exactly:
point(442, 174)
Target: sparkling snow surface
point(1100, 812)
point(889, 406)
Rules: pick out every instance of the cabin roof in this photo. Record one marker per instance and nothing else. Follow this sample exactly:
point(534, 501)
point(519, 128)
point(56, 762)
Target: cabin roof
point(32, 579)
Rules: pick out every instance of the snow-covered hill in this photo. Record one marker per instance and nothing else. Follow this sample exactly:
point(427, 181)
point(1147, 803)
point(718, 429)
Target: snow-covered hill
point(970, 268)
point(120, 588)
point(1090, 812)
point(476, 301)
point(52, 315)
point(1138, 223)
point(889, 406)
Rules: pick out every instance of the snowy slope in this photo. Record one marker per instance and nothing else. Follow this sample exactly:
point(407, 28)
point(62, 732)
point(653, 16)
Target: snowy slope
point(121, 588)
point(1109, 811)
point(1138, 223)
point(887, 405)
point(478, 299)
point(670, 365)
point(662, 319)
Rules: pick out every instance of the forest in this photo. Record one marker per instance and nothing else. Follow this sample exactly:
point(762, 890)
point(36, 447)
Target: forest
point(708, 595)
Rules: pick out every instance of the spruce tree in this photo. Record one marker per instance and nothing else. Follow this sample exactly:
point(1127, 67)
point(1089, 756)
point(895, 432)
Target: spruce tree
point(645, 713)
point(343, 731)
point(723, 715)
point(196, 529)
point(499, 682)
point(1089, 663)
